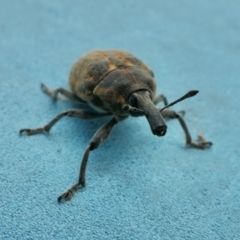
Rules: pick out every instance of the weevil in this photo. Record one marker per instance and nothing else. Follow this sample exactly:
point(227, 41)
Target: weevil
point(117, 84)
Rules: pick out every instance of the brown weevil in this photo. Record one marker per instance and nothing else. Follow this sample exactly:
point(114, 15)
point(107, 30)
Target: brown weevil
point(118, 84)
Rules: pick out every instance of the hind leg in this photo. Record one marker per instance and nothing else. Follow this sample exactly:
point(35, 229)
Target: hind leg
point(54, 94)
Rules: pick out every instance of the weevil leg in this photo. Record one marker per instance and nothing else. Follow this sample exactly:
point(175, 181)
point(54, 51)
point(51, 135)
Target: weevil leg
point(101, 135)
point(160, 98)
point(70, 113)
point(201, 143)
point(54, 94)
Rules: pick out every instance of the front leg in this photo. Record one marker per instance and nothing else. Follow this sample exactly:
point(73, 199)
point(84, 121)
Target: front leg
point(70, 113)
point(201, 143)
point(160, 98)
point(101, 135)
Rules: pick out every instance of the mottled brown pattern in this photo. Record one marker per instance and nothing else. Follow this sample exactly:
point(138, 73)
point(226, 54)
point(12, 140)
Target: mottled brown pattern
point(105, 78)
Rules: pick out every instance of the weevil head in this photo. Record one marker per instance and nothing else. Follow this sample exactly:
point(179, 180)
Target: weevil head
point(133, 87)
point(142, 100)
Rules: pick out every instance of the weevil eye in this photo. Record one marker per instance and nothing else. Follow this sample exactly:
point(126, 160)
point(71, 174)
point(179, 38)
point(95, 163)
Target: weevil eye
point(132, 100)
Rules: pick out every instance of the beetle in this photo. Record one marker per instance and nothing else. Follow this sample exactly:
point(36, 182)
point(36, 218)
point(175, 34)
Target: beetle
point(118, 84)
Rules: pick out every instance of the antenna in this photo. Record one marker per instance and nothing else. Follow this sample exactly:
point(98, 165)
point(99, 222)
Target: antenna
point(187, 95)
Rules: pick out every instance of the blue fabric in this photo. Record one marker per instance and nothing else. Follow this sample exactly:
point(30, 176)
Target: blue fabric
point(139, 186)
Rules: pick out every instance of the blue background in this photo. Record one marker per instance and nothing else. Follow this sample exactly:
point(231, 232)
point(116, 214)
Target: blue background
point(139, 186)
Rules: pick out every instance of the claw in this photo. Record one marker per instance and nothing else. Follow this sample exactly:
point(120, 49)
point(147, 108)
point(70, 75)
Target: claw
point(48, 92)
point(43, 87)
point(201, 143)
point(23, 130)
point(29, 131)
point(206, 144)
point(67, 196)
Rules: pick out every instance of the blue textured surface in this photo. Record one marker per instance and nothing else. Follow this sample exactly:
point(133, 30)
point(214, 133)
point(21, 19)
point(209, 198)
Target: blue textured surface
point(138, 186)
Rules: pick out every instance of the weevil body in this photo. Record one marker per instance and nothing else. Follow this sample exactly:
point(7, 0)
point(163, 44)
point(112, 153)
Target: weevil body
point(108, 80)
point(118, 84)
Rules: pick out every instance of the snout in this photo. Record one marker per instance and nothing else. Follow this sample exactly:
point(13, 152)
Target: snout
point(160, 131)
